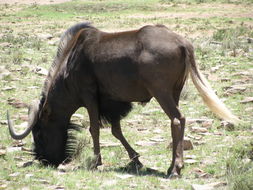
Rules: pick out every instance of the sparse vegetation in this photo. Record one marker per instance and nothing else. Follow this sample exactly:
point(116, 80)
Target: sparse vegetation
point(240, 166)
point(221, 32)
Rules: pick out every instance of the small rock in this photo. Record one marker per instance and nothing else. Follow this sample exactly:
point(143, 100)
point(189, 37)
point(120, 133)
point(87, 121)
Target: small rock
point(199, 130)
point(235, 89)
point(45, 36)
point(207, 124)
point(3, 186)
point(43, 181)
point(250, 40)
point(247, 100)
point(249, 109)
point(18, 143)
point(14, 174)
point(157, 139)
point(190, 121)
point(243, 73)
point(124, 176)
point(189, 156)
point(8, 88)
point(225, 79)
point(195, 137)
point(53, 43)
point(32, 87)
point(216, 68)
point(2, 152)
point(199, 173)
point(101, 168)
point(146, 143)
point(142, 129)
point(209, 186)
point(41, 71)
point(28, 175)
point(59, 188)
point(5, 44)
point(109, 144)
point(26, 149)
point(187, 144)
point(246, 160)
point(157, 131)
point(213, 77)
point(134, 121)
point(3, 122)
point(17, 103)
point(227, 125)
point(4, 72)
point(23, 117)
point(66, 167)
point(13, 149)
point(199, 142)
point(148, 112)
point(25, 164)
point(190, 161)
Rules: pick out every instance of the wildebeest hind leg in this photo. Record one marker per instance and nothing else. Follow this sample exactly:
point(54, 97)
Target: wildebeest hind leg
point(169, 105)
point(133, 155)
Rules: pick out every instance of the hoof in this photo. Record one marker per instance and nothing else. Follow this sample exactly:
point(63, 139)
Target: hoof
point(134, 165)
point(93, 162)
point(173, 175)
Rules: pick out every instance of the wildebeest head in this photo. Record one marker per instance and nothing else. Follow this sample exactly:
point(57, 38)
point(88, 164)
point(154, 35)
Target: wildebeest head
point(49, 118)
point(50, 134)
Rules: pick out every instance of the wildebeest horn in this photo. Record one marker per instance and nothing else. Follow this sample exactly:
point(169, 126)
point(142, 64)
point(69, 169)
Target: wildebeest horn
point(33, 116)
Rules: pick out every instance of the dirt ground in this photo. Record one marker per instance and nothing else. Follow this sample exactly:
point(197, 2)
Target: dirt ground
point(32, 1)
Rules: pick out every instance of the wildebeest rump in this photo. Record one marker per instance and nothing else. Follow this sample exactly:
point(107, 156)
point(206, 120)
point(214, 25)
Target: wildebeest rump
point(105, 72)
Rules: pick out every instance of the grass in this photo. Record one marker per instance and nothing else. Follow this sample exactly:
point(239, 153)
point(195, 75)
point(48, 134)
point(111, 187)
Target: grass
point(240, 166)
point(219, 33)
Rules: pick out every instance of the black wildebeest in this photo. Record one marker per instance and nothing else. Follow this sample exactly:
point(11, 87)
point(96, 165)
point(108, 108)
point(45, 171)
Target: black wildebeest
point(105, 72)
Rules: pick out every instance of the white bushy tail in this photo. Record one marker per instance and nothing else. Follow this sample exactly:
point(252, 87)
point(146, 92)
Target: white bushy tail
point(208, 95)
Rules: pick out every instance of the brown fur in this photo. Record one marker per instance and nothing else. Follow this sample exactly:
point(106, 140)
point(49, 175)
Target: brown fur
point(105, 72)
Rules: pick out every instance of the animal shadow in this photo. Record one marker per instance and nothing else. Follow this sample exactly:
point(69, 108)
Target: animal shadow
point(140, 171)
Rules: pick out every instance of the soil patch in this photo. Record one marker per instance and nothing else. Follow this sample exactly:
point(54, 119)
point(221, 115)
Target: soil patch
point(27, 2)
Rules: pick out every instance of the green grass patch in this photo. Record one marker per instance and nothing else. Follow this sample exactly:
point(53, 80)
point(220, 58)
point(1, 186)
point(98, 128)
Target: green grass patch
point(222, 51)
point(240, 166)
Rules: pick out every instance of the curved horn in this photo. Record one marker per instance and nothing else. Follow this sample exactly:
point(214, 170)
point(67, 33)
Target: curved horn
point(32, 120)
point(12, 132)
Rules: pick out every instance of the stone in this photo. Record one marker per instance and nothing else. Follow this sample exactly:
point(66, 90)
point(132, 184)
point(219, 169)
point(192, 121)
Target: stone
point(247, 100)
point(187, 144)
point(227, 125)
point(41, 71)
point(209, 186)
point(199, 130)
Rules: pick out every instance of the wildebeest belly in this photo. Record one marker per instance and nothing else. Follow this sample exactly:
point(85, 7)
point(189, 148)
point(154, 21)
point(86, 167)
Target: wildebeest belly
point(119, 79)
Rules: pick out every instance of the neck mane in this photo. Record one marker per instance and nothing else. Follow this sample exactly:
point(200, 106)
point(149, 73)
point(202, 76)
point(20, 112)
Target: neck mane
point(67, 41)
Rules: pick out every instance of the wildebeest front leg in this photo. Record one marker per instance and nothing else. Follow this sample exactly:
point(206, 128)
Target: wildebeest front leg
point(133, 155)
point(94, 130)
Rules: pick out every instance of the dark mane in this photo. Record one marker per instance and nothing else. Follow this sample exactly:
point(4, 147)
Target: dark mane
point(111, 110)
point(64, 48)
